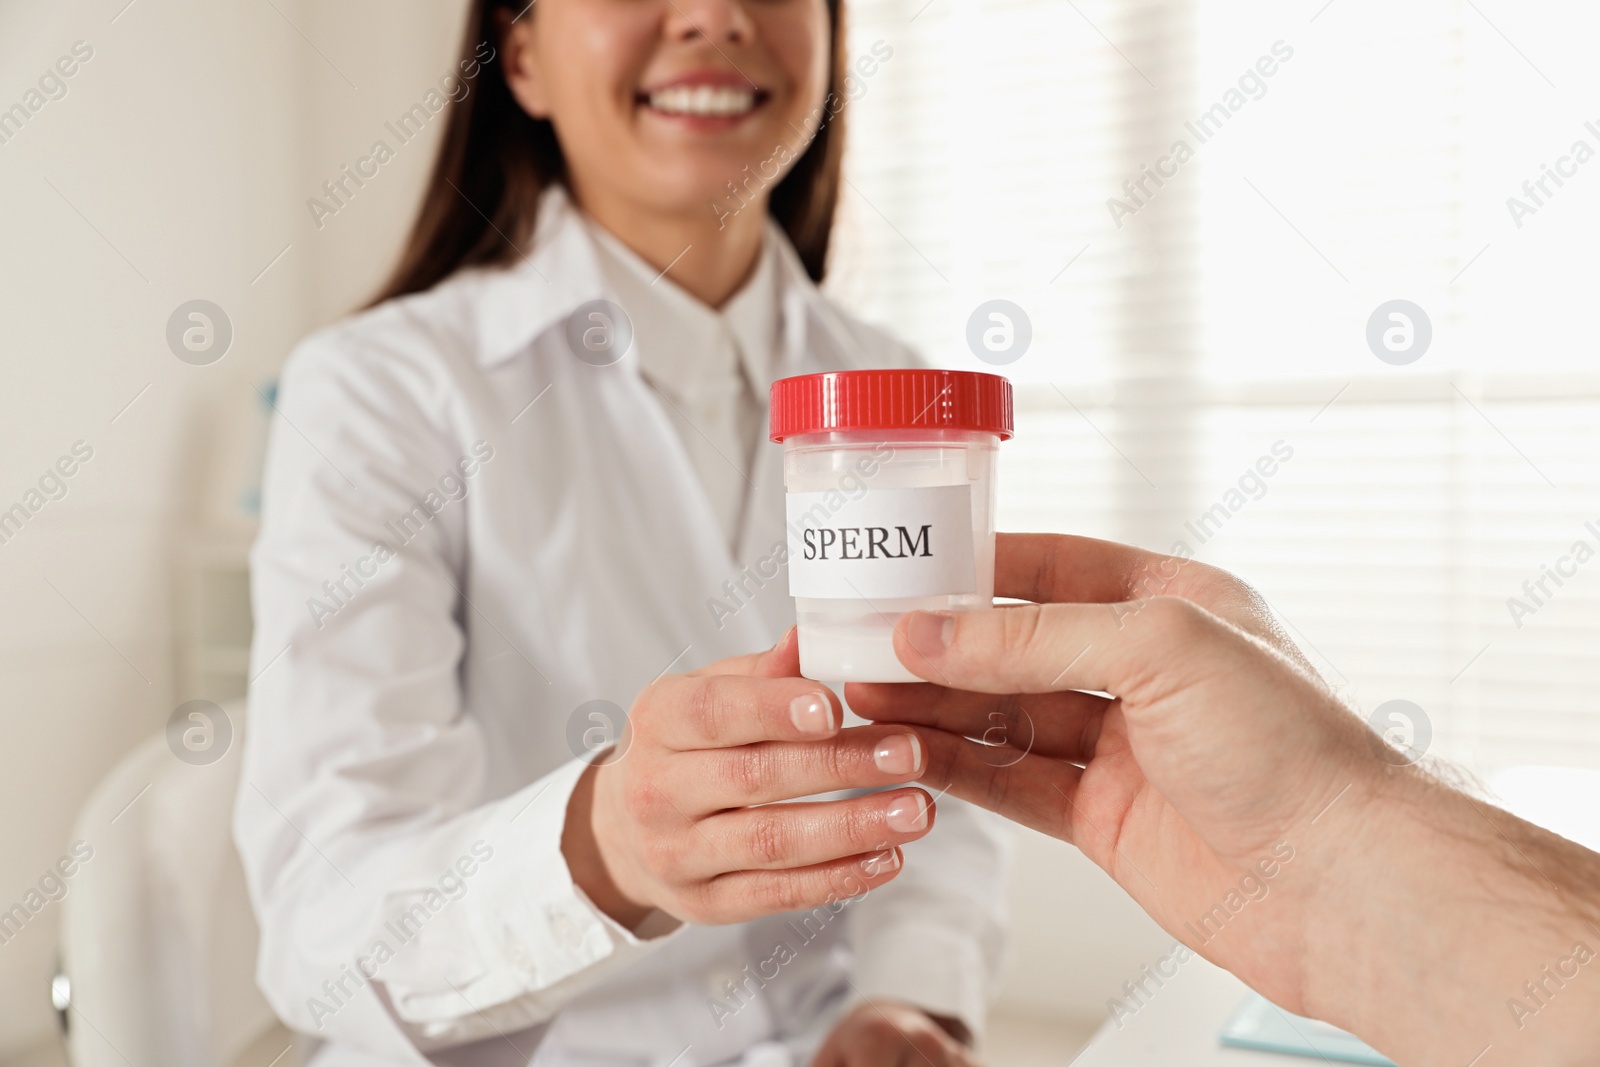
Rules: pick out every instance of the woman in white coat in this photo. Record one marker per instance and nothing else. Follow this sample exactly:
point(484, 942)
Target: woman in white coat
point(513, 498)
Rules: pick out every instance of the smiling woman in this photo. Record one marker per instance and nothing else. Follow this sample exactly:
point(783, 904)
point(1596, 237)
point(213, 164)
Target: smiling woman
point(569, 243)
point(502, 147)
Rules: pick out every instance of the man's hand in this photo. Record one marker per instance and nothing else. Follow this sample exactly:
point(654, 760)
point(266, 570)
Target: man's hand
point(1214, 752)
point(887, 1033)
point(1168, 729)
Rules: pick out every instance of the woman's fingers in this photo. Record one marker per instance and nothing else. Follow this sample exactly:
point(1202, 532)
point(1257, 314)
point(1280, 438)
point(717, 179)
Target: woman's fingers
point(778, 836)
point(862, 757)
point(687, 713)
point(1062, 725)
point(740, 896)
point(782, 660)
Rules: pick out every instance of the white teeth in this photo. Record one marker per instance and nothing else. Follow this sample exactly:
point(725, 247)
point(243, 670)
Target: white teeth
point(703, 100)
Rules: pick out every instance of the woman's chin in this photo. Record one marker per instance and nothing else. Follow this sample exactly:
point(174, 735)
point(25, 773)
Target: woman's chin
point(709, 160)
point(716, 189)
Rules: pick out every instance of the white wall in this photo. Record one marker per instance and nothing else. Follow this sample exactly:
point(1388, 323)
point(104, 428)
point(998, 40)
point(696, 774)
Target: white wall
point(1076, 936)
point(190, 142)
point(171, 141)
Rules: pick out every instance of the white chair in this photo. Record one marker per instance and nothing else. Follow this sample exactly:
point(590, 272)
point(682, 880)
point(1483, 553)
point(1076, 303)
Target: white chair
point(158, 939)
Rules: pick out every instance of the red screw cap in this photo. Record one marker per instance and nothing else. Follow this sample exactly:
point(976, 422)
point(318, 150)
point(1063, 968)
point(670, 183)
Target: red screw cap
point(891, 400)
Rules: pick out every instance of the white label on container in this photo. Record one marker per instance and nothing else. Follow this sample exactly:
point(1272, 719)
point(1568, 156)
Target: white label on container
point(882, 543)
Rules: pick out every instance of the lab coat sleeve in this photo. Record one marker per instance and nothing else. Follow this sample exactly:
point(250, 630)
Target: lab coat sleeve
point(399, 911)
point(935, 936)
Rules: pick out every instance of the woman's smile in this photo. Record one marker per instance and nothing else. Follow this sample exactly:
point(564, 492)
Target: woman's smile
point(707, 99)
point(659, 106)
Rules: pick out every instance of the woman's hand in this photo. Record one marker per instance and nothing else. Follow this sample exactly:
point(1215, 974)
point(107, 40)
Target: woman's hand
point(689, 819)
point(888, 1033)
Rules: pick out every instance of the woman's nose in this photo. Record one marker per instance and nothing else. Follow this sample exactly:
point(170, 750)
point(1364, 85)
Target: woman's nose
point(717, 21)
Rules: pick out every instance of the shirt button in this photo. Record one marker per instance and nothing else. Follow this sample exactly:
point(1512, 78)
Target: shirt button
point(723, 983)
point(519, 952)
point(567, 931)
point(768, 1054)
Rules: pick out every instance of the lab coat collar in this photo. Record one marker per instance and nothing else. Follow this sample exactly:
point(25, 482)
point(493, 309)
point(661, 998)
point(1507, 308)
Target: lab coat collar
point(679, 339)
point(562, 271)
point(520, 302)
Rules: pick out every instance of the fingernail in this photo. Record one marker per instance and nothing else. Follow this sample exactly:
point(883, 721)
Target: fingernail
point(811, 714)
point(881, 863)
point(899, 755)
point(929, 632)
point(907, 815)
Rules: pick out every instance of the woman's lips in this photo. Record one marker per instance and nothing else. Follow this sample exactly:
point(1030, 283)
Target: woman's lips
point(705, 102)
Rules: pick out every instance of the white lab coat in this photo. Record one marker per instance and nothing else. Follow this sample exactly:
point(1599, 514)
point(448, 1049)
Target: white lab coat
point(468, 535)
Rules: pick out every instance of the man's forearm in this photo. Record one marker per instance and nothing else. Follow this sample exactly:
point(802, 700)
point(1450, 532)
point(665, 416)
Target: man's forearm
point(1466, 936)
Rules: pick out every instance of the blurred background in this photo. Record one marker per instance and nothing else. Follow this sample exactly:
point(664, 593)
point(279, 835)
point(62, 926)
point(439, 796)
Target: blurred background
point(1172, 316)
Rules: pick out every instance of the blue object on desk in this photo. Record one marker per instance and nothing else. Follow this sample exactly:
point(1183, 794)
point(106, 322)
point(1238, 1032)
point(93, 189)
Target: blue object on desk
point(1262, 1025)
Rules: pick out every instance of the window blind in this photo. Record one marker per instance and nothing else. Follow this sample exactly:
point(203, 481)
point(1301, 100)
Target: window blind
point(1223, 311)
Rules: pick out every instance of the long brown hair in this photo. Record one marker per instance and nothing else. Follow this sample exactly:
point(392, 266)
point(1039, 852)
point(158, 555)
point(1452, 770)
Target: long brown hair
point(496, 159)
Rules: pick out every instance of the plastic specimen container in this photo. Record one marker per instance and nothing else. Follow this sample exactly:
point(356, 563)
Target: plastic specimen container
point(890, 484)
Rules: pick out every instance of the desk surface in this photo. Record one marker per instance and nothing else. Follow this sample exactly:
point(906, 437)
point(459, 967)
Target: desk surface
point(1178, 1027)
